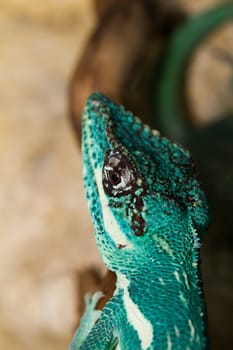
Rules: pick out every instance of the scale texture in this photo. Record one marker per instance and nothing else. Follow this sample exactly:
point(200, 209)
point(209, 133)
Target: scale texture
point(149, 213)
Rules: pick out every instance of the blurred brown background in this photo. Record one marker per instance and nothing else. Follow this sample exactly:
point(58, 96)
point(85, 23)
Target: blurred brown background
point(45, 234)
point(46, 239)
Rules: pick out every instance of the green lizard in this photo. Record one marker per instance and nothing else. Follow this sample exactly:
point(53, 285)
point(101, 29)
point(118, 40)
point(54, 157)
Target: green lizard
point(134, 240)
point(149, 213)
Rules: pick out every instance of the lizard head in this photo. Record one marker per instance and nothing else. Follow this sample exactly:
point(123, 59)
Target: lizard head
point(143, 192)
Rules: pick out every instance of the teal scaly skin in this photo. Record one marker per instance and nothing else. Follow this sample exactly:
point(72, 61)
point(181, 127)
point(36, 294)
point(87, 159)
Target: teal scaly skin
point(149, 213)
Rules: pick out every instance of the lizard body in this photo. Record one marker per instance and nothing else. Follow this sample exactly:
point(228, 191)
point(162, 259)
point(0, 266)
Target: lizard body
point(149, 212)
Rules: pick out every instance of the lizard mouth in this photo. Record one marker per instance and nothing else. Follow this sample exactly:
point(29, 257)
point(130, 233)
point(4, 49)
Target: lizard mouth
point(121, 246)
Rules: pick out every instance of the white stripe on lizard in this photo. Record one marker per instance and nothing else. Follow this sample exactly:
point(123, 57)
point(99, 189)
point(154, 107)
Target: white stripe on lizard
point(109, 221)
point(135, 316)
point(192, 329)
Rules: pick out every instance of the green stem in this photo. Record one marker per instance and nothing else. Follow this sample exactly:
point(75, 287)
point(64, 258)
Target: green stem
point(168, 99)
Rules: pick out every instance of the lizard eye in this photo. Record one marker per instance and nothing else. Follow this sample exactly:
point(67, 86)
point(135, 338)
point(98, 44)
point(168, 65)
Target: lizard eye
point(118, 175)
point(114, 178)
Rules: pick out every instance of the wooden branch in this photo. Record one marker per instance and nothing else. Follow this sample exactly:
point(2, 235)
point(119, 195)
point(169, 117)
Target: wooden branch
point(119, 42)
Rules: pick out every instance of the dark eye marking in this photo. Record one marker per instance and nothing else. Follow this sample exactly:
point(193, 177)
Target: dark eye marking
point(119, 176)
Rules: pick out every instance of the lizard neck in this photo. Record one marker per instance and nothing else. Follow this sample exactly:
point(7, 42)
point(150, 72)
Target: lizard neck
point(170, 298)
